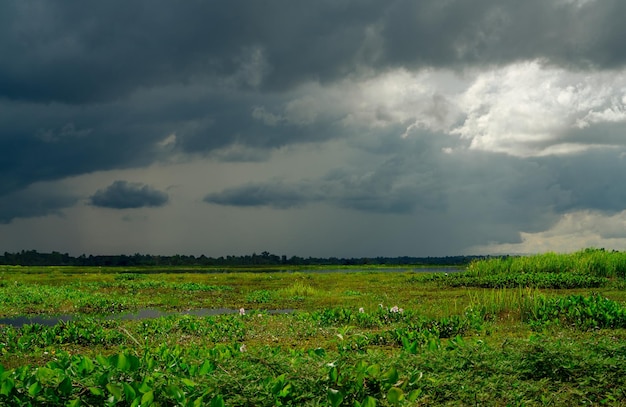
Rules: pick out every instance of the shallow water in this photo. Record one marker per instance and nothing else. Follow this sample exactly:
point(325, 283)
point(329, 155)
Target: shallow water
point(150, 313)
point(146, 313)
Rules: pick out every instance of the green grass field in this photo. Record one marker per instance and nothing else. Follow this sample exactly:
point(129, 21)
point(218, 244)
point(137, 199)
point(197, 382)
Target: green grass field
point(542, 330)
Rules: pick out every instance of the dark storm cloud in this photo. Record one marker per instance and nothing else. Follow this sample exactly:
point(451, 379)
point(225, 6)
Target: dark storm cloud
point(484, 196)
point(125, 195)
point(34, 201)
point(46, 142)
point(76, 51)
point(276, 195)
point(409, 178)
point(90, 86)
point(594, 180)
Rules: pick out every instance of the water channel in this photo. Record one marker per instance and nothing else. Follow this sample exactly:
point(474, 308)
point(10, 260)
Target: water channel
point(146, 313)
point(149, 313)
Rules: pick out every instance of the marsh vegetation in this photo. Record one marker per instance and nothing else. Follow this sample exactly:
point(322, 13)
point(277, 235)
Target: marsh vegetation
point(540, 330)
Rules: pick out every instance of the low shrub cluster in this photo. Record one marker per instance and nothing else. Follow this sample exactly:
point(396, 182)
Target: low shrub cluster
point(531, 280)
point(581, 312)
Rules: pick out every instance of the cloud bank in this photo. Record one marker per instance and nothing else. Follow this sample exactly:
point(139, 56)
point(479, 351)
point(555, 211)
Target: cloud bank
point(125, 195)
point(399, 127)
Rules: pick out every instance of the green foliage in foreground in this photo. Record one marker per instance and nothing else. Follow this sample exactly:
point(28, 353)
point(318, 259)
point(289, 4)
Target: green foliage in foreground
point(537, 371)
point(407, 359)
point(543, 330)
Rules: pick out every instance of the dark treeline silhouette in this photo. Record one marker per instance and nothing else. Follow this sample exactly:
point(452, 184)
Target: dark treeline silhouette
point(34, 258)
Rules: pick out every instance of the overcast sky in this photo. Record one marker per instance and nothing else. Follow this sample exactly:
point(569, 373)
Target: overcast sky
point(312, 128)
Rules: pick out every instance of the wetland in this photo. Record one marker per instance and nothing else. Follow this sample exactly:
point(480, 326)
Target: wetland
point(548, 329)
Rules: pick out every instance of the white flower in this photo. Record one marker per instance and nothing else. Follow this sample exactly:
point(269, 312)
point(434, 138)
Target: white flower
point(242, 311)
point(361, 310)
point(243, 347)
point(394, 309)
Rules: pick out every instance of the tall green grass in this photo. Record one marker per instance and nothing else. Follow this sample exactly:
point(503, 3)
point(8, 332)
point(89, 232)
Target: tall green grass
point(594, 262)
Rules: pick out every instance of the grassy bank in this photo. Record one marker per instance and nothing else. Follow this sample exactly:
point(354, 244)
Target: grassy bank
point(541, 330)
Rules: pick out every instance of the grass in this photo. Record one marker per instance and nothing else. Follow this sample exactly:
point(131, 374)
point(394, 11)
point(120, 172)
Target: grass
point(353, 339)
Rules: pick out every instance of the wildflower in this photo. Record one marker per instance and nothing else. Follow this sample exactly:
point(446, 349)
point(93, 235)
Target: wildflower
point(361, 310)
point(243, 347)
point(401, 310)
point(394, 309)
point(242, 311)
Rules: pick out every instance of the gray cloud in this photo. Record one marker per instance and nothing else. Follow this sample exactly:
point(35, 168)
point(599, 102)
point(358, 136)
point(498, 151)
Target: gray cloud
point(475, 119)
point(274, 194)
point(123, 76)
point(125, 195)
point(481, 197)
point(35, 201)
point(76, 52)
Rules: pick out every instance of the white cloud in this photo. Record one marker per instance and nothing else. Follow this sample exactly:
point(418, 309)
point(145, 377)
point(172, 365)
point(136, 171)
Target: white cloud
point(524, 109)
point(574, 231)
point(527, 109)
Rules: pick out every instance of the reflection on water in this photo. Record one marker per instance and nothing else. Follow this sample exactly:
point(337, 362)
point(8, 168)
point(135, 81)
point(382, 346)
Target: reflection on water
point(146, 313)
point(37, 319)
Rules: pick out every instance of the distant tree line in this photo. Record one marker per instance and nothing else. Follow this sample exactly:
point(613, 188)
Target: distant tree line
point(34, 258)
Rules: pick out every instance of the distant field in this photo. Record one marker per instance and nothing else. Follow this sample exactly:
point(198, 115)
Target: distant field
point(541, 330)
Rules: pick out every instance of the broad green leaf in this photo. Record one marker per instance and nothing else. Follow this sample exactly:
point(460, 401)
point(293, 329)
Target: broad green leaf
point(395, 395)
point(217, 401)
point(104, 361)
point(34, 389)
point(7, 386)
point(145, 387)
point(129, 392)
point(390, 376)
point(373, 370)
point(433, 344)
point(335, 397)
point(115, 390)
point(188, 382)
point(333, 375)
point(65, 387)
point(369, 401)
point(120, 361)
point(147, 398)
point(45, 375)
point(85, 365)
point(73, 403)
point(207, 367)
point(96, 391)
point(414, 394)
point(132, 363)
point(176, 393)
